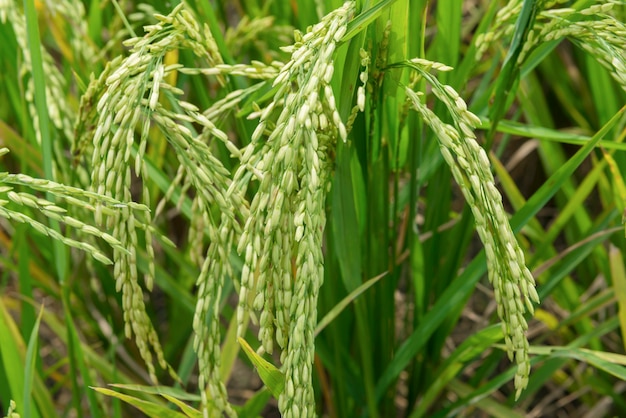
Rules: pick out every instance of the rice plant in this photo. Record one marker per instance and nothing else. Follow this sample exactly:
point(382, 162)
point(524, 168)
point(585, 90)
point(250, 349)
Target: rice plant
point(375, 201)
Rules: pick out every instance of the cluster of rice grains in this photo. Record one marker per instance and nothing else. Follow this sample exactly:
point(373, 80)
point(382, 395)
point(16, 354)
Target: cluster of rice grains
point(74, 197)
point(593, 29)
point(60, 111)
point(513, 284)
point(12, 408)
point(282, 239)
point(131, 90)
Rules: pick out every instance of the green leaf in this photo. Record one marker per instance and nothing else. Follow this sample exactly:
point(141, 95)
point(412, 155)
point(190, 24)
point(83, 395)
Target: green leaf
point(187, 410)
point(455, 294)
point(468, 350)
point(364, 19)
point(31, 360)
point(338, 308)
point(618, 274)
point(609, 362)
point(149, 408)
point(492, 408)
point(549, 188)
point(509, 75)
point(345, 227)
point(447, 43)
point(160, 390)
point(14, 372)
point(595, 359)
point(269, 374)
point(255, 405)
point(10, 355)
point(547, 134)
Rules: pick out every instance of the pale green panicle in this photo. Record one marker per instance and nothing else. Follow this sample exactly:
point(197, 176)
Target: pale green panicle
point(592, 28)
point(131, 93)
point(282, 238)
point(74, 197)
point(11, 412)
point(121, 108)
point(514, 285)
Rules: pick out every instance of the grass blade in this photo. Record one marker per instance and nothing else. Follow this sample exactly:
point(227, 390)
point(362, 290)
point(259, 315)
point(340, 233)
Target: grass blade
point(365, 18)
point(269, 374)
point(31, 361)
point(470, 348)
point(160, 390)
point(187, 410)
point(339, 307)
point(509, 74)
point(345, 223)
point(549, 188)
point(618, 275)
point(12, 362)
point(149, 408)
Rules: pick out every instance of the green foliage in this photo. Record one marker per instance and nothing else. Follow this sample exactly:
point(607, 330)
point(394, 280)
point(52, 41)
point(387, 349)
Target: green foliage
point(271, 376)
point(358, 190)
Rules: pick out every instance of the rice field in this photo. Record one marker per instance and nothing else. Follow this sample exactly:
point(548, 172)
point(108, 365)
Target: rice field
point(253, 208)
